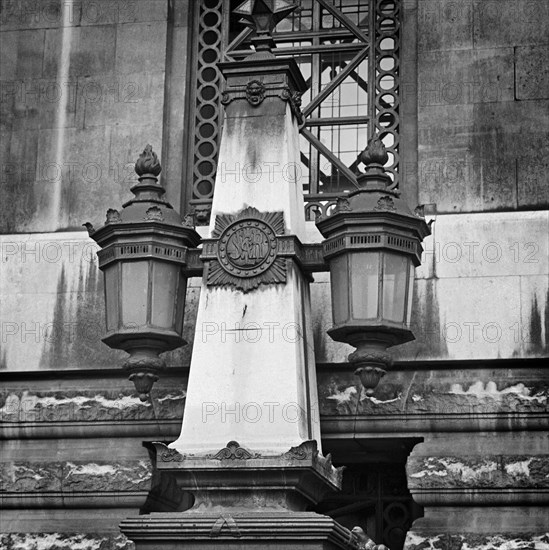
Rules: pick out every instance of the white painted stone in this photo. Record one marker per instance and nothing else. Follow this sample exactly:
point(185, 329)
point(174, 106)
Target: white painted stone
point(30, 271)
point(252, 376)
point(477, 316)
point(487, 245)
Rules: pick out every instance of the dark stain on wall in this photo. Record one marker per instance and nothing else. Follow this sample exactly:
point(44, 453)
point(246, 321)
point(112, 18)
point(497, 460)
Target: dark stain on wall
point(547, 321)
point(535, 339)
point(74, 341)
point(426, 326)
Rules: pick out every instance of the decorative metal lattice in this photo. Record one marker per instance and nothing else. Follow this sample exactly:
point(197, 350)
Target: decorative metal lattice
point(348, 52)
point(376, 498)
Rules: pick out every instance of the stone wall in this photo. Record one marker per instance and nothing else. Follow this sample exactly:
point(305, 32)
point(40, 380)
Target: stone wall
point(85, 86)
point(483, 136)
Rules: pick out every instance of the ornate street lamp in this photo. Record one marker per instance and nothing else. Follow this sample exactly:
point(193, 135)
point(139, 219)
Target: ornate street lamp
point(373, 243)
point(144, 252)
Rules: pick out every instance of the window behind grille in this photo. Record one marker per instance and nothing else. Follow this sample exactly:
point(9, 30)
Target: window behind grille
point(348, 52)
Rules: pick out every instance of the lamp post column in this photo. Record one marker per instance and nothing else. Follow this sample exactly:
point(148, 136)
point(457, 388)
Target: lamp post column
point(249, 448)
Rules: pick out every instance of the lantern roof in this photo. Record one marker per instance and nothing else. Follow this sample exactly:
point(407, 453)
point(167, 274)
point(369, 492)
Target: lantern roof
point(375, 208)
point(148, 211)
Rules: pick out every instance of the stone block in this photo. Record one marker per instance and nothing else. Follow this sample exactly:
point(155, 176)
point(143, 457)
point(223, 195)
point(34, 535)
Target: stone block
point(415, 401)
point(465, 76)
point(480, 325)
point(470, 155)
point(53, 306)
point(130, 41)
point(75, 176)
point(486, 469)
point(445, 25)
point(104, 12)
point(64, 541)
point(52, 297)
point(532, 72)
point(120, 99)
point(91, 51)
point(488, 245)
point(19, 150)
point(510, 22)
point(50, 473)
point(480, 527)
point(532, 170)
point(90, 179)
point(272, 530)
point(39, 103)
point(36, 14)
point(77, 406)
point(22, 55)
point(476, 318)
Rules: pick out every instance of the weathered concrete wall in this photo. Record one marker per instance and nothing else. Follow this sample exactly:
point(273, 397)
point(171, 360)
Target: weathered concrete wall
point(73, 464)
point(84, 86)
point(481, 293)
point(79, 97)
point(483, 104)
point(53, 309)
point(483, 136)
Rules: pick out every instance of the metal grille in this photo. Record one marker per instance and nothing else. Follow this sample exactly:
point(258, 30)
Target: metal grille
point(348, 53)
point(376, 498)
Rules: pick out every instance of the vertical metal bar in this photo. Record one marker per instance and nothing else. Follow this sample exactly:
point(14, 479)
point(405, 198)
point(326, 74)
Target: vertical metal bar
point(372, 54)
point(314, 156)
point(190, 109)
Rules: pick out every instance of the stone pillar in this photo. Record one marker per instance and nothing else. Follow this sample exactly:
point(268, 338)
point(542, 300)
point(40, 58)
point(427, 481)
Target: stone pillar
point(481, 491)
point(249, 445)
point(252, 376)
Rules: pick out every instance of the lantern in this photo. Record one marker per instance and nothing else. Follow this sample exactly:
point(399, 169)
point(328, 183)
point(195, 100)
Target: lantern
point(372, 246)
point(143, 255)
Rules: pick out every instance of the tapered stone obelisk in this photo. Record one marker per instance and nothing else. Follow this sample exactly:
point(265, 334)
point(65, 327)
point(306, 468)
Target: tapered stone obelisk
point(252, 376)
point(249, 448)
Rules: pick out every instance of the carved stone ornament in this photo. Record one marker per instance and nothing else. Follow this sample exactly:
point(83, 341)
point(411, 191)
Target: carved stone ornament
point(154, 214)
point(202, 214)
point(233, 451)
point(343, 204)
point(294, 98)
point(171, 455)
point(385, 203)
point(188, 221)
point(255, 92)
point(247, 250)
point(113, 216)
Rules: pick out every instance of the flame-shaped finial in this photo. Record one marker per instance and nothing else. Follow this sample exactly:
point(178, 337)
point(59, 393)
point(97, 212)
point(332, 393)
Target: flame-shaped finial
point(148, 163)
point(374, 153)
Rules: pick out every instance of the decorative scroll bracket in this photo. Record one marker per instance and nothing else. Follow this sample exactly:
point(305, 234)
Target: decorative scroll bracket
point(255, 93)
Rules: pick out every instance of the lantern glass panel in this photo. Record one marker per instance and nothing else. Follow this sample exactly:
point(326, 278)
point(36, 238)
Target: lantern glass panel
point(395, 280)
point(340, 288)
point(180, 307)
point(410, 294)
point(164, 289)
point(365, 284)
point(135, 285)
point(111, 296)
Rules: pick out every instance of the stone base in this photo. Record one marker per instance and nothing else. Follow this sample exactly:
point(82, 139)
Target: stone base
point(237, 530)
point(480, 528)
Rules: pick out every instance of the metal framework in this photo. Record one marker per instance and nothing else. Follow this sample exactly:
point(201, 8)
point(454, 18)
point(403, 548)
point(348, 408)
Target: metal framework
point(348, 52)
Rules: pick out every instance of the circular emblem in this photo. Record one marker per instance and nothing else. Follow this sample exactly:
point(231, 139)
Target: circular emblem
point(247, 248)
